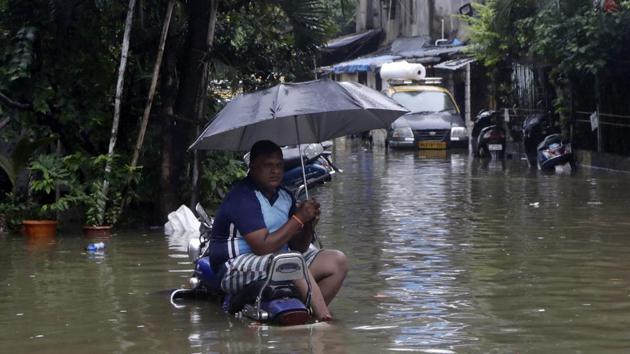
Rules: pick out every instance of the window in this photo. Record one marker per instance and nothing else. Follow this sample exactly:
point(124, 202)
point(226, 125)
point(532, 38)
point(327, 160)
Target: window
point(425, 101)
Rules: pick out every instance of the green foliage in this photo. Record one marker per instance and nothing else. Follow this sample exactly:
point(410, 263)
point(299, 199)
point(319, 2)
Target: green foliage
point(47, 173)
point(342, 14)
point(101, 208)
point(278, 38)
point(23, 151)
point(219, 172)
point(58, 58)
point(495, 40)
point(13, 209)
point(570, 39)
point(59, 62)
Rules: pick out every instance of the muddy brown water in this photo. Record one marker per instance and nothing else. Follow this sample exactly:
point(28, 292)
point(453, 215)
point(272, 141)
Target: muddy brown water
point(447, 255)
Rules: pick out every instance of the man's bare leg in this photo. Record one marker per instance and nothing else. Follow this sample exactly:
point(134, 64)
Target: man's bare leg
point(329, 268)
point(320, 310)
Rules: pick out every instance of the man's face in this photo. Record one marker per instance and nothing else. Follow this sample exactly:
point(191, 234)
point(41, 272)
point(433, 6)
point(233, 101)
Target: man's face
point(267, 170)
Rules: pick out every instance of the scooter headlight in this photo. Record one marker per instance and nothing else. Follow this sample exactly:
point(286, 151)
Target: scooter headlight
point(403, 133)
point(458, 133)
point(194, 248)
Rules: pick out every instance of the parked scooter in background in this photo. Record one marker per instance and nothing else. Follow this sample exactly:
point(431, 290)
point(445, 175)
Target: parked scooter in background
point(272, 300)
point(535, 128)
point(544, 146)
point(318, 166)
point(554, 155)
point(488, 136)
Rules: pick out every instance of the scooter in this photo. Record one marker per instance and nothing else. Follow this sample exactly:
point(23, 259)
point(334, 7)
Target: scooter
point(318, 167)
point(488, 136)
point(273, 300)
point(543, 145)
point(553, 153)
point(535, 128)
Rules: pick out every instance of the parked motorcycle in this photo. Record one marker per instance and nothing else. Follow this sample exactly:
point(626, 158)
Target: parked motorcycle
point(553, 152)
point(318, 167)
point(543, 144)
point(488, 136)
point(535, 128)
point(273, 300)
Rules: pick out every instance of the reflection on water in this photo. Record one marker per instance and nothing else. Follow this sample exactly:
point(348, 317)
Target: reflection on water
point(448, 255)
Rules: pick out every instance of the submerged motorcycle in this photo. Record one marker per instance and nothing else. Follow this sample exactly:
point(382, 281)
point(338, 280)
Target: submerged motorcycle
point(543, 145)
point(553, 153)
point(273, 300)
point(488, 136)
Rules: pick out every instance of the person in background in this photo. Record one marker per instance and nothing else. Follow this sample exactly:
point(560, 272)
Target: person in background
point(259, 218)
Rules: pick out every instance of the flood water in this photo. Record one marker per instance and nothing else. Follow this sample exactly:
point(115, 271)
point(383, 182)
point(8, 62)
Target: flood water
point(447, 255)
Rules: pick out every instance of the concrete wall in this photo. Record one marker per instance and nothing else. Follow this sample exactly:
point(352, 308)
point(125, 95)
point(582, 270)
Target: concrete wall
point(408, 18)
point(602, 160)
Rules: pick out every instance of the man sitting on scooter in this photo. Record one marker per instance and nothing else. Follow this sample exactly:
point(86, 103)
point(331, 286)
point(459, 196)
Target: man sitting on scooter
point(258, 218)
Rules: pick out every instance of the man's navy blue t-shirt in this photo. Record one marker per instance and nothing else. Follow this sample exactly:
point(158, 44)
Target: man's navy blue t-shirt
point(245, 209)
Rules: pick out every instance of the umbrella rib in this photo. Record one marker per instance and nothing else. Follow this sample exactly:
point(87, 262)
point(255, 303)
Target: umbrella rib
point(275, 102)
point(241, 138)
point(354, 100)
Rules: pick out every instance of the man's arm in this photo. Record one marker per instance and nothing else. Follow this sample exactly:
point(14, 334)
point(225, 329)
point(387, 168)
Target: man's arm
point(297, 232)
point(262, 242)
point(303, 239)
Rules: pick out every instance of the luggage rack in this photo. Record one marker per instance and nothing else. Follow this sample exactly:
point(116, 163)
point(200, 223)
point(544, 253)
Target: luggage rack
point(425, 81)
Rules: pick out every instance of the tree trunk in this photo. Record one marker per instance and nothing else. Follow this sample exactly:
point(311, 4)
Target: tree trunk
point(150, 96)
point(168, 95)
point(117, 100)
point(193, 95)
point(154, 80)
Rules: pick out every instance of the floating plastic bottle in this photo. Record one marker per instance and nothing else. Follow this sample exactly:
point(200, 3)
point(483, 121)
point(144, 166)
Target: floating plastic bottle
point(94, 247)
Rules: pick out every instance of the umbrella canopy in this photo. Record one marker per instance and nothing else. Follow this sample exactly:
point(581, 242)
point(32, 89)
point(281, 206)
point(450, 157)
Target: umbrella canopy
point(293, 113)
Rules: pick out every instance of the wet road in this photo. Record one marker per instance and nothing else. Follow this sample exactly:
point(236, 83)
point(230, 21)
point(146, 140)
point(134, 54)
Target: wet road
point(448, 255)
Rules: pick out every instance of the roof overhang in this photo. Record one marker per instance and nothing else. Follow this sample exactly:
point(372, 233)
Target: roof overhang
point(455, 64)
point(412, 49)
point(350, 46)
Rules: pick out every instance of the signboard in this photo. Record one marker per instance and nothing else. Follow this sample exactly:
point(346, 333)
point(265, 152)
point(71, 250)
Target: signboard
point(594, 121)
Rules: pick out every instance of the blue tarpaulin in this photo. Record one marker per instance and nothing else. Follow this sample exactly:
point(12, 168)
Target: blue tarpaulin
point(418, 49)
point(363, 64)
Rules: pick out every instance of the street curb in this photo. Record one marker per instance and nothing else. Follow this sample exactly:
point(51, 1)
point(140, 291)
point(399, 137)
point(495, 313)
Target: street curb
point(602, 160)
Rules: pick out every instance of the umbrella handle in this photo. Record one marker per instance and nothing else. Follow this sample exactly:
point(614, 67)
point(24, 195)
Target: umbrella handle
point(297, 132)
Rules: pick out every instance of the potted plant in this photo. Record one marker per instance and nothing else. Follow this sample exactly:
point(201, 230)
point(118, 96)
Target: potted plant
point(101, 212)
point(15, 205)
point(102, 206)
point(53, 189)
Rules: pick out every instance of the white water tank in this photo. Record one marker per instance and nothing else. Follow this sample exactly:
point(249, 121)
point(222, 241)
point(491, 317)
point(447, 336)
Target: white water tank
point(402, 70)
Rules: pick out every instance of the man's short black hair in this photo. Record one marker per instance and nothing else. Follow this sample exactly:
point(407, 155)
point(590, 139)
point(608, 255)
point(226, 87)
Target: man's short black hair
point(263, 147)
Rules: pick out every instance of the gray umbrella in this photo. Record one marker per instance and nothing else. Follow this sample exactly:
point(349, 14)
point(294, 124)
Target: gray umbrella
point(322, 109)
point(294, 113)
